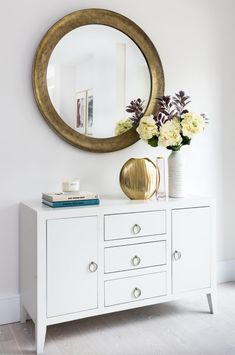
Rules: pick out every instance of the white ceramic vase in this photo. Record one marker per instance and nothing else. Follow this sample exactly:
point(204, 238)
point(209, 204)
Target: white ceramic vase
point(176, 174)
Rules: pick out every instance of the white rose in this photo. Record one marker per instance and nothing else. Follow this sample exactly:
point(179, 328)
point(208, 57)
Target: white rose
point(123, 125)
point(192, 124)
point(147, 128)
point(170, 133)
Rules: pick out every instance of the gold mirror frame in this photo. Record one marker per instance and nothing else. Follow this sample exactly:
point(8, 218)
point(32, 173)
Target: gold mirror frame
point(44, 51)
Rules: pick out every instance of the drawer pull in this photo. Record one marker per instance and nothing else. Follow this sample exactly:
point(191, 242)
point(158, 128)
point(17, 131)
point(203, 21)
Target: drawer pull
point(136, 229)
point(93, 266)
point(136, 292)
point(136, 260)
point(177, 255)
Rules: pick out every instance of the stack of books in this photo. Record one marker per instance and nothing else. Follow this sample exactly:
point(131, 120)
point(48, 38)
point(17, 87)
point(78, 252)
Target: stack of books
point(64, 199)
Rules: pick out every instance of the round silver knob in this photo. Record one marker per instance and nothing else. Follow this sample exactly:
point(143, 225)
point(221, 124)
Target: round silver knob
point(136, 260)
point(177, 255)
point(136, 229)
point(137, 292)
point(93, 266)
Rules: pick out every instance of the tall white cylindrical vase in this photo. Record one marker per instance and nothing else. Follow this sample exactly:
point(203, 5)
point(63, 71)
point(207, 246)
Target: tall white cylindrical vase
point(176, 174)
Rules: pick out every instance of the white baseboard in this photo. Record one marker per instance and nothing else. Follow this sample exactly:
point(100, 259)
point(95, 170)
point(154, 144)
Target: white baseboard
point(226, 271)
point(9, 309)
point(10, 306)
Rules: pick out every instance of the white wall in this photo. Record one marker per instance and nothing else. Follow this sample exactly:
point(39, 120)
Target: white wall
point(226, 141)
point(190, 38)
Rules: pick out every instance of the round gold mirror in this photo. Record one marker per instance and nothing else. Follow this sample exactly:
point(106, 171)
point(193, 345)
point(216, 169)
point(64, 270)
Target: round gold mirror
point(87, 69)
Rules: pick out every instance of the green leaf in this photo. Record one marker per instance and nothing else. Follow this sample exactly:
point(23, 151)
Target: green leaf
point(185, 140)
point(153, 141)
point(175, 148)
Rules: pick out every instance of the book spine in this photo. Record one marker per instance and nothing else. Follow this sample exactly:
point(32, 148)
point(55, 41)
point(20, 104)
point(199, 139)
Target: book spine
point(61, 198)
point(72, 203)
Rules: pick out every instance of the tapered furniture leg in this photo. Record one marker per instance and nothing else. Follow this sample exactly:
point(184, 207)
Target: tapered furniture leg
point(40, 336)
point(212, 303)
point(23, 314)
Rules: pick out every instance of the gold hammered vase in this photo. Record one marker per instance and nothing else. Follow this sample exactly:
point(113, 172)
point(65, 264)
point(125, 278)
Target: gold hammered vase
point(139, 178)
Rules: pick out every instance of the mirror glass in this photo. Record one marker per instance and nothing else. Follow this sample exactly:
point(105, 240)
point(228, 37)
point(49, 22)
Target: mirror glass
point(93, 73)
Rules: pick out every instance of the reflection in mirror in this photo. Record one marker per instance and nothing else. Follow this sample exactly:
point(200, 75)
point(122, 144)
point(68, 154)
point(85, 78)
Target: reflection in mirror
point(92, 75)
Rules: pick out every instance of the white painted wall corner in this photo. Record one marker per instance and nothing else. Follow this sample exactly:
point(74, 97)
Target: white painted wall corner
point(226, 271)
point(9, 309)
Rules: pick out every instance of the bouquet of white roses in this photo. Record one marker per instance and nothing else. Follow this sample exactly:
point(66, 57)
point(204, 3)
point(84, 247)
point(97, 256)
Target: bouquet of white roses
point(172, 127)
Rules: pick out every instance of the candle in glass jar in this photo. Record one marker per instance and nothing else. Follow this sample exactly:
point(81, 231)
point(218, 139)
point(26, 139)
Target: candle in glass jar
point(71, 185)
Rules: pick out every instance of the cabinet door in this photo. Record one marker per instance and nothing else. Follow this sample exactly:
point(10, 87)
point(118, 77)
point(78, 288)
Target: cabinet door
point(71, 265)
point(191, 248)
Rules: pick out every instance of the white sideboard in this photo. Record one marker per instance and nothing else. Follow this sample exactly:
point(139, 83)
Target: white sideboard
point(84, 261)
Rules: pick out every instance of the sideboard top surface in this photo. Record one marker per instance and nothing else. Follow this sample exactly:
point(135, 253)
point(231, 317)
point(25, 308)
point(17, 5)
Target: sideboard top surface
point(119, 204)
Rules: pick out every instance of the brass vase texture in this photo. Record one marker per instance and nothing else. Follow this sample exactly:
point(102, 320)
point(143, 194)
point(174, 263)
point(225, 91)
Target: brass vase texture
point(139, 178)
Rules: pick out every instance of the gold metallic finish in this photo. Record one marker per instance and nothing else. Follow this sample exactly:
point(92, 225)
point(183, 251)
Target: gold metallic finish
point(139, 178)
point(39, 76)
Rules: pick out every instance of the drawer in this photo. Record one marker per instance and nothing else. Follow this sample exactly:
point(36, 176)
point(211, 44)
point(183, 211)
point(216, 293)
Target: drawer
point(135, 288)
point(139, 224)
point(135, 256)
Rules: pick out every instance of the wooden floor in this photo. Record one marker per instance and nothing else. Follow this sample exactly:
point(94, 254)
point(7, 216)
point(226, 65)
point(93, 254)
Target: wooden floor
point(181, 327)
